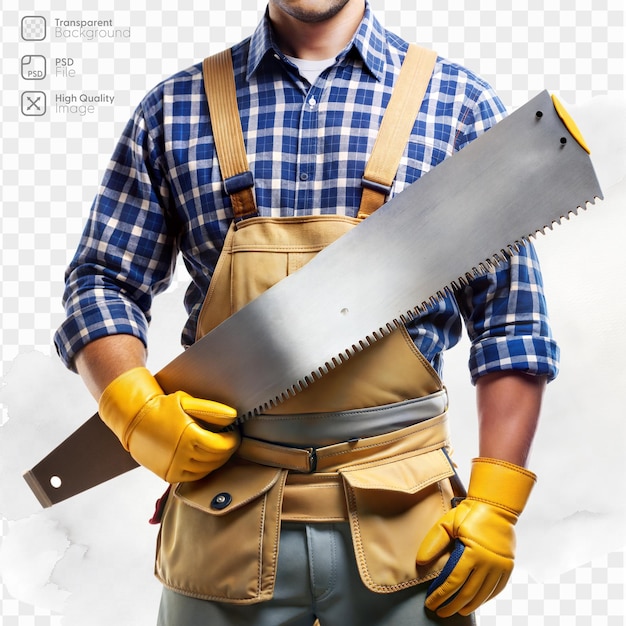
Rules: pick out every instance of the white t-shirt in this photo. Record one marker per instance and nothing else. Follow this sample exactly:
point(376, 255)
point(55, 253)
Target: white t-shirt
point(311, 69)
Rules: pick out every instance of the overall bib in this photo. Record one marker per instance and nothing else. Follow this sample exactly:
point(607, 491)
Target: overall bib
point(366, 444)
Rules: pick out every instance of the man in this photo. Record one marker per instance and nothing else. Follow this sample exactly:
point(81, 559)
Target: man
point(312, 85)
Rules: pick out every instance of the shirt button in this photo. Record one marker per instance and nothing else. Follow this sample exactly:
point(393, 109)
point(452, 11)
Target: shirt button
point(312, 103)
point(304, 176)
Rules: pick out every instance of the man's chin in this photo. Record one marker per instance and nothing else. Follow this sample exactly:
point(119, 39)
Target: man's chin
point(311, 11)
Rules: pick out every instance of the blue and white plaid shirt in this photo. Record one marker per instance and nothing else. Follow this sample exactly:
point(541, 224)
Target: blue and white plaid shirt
point(307, 145)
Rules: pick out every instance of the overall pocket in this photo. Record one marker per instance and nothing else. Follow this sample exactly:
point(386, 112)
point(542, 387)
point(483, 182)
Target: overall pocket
point(392, 504)
point(219, 535)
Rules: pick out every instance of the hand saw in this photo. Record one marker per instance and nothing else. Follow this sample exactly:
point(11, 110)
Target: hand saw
point(526, 173)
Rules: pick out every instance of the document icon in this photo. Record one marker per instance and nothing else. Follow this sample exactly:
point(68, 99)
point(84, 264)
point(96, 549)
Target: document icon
point(33, 67)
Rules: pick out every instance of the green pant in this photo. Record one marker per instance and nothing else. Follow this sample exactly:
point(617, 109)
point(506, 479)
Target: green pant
point(317, 577)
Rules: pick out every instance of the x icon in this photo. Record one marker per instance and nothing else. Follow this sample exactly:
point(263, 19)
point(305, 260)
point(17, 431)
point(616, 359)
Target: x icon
point(33, 103)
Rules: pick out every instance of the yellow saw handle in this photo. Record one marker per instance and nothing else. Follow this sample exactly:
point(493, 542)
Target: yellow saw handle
point(569, 122)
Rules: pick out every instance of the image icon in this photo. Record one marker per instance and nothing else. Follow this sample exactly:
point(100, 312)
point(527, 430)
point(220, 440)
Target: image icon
point(33, 67)
point(33, 28)
point(33, 103)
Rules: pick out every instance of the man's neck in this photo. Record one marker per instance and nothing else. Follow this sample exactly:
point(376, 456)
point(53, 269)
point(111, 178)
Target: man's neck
point(316, 40)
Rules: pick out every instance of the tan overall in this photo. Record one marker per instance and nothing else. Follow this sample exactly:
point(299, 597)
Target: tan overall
point(391, 488)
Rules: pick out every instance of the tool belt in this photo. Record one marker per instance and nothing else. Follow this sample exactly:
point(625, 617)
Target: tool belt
point(219, 536)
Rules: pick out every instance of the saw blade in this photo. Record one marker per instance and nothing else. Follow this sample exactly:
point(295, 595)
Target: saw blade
point(468, 213)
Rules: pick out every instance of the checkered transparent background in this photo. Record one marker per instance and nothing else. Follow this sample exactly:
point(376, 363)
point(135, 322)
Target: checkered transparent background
point(52, 165)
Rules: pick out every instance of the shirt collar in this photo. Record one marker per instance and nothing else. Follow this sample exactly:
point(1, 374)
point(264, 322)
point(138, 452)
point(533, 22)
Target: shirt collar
point(369, 41)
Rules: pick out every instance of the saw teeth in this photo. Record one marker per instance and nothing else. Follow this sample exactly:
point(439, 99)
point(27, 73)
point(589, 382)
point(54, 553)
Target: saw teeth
point(484, 267)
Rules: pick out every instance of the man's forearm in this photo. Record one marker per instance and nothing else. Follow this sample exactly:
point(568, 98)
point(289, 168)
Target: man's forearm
point(508, 411)
point(103, 360)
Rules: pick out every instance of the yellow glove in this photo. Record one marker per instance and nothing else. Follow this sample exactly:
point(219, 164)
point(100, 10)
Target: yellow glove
point(161, 432)
point(482, 528)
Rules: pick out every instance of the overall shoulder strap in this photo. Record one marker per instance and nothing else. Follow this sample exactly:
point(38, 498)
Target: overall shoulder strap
point(219, 86)
point(381, 169)
point(396, 127)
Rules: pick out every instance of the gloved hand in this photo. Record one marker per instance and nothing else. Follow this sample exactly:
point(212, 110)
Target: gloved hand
point(482, 528)
point(161, 432)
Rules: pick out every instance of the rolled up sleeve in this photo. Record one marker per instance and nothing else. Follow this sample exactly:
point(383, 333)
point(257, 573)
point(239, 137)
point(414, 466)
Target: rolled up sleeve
point(507, 321)
point(127, 250)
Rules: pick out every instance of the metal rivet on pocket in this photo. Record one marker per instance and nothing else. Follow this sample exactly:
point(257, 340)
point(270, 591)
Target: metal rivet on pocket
point(221, 501)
